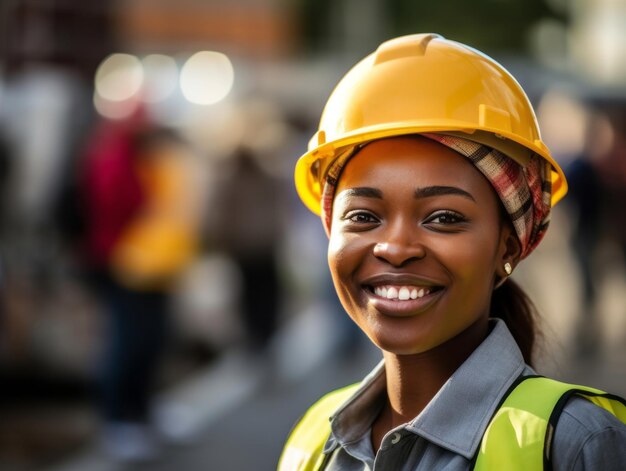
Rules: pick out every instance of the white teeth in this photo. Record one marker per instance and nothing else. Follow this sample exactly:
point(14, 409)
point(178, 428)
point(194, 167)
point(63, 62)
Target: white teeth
point(401, 293)
point(381, 291)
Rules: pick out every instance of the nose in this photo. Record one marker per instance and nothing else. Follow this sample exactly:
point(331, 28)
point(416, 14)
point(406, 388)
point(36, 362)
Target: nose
point(400, 246)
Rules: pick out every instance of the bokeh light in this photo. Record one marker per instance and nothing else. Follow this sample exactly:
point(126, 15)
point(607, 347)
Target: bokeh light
point(119, 77)
point(161, 77)
point(207, 77)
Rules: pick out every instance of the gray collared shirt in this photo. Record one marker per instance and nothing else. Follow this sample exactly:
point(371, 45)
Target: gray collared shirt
point(447, 433)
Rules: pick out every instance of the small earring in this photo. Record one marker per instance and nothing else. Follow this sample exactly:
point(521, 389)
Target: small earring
point(508, 268)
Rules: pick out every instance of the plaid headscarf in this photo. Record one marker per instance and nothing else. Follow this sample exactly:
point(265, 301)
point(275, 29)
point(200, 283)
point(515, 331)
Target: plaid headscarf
point(525, 191)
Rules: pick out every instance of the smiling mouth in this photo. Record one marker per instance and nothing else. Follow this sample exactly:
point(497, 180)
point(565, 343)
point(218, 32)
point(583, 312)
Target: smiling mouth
point(403, 292)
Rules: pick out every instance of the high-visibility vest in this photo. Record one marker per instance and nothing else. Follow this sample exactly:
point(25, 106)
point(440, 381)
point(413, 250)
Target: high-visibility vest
point(519, 436)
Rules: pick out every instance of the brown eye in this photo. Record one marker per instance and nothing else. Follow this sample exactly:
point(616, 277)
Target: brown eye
point(446, 218)
point(361, 217)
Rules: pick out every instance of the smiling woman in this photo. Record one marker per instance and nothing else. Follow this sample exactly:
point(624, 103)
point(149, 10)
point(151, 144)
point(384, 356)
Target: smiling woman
point(433, 228)
point(433, 183)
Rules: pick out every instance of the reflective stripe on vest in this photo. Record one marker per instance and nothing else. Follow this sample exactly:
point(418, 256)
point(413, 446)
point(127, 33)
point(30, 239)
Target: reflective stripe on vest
point(519, 436)
point(303, 450)
point(520, 433)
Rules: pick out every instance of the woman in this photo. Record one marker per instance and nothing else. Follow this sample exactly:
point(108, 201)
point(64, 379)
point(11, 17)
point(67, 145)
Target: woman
point(433, 183)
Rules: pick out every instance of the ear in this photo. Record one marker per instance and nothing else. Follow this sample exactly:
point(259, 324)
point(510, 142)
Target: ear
point(509, 251)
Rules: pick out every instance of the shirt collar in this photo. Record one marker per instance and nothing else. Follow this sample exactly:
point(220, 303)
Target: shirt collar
point(456, 418)
point(354, 419)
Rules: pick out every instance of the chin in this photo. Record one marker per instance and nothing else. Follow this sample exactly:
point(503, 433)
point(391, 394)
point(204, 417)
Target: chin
point(399, 343)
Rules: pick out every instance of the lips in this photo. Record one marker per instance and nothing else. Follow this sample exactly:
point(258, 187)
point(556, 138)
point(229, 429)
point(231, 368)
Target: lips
point(402, 295)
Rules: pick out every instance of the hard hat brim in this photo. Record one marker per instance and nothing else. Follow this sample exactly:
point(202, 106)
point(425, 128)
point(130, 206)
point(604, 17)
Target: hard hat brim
point(309, 184)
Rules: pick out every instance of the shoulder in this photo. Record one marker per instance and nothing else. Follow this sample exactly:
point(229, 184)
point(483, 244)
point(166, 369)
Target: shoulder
point(588, 437)
point(315, 422)
point(305, 444)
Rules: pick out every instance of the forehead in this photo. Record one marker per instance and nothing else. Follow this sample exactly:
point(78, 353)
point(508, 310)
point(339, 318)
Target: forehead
point(414, 161)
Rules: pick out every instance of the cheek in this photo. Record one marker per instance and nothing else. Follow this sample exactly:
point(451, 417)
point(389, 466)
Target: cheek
point(341, 258)
point(337, 261)
point(345, 255)
point(473, 261)
point(336, 245)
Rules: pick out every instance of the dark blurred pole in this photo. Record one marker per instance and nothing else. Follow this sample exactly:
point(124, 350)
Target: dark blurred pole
point(5, 168)
point(55, 43)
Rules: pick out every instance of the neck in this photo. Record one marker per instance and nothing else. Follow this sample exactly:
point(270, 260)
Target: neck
point(413, 380)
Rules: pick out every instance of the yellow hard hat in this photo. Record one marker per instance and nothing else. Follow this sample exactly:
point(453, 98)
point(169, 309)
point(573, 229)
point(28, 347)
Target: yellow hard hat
point(424, 83)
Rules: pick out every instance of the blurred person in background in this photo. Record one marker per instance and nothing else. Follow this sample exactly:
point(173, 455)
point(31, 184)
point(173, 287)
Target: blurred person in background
point(610, 160)
point(433, 184)
point(140, 234)
point(598, 192)
point(585, 203)
point(246, 220)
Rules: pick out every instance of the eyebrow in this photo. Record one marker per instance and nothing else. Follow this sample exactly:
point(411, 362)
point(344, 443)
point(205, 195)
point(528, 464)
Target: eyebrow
point(429, 191)
point(365, 191)
point(424, 192)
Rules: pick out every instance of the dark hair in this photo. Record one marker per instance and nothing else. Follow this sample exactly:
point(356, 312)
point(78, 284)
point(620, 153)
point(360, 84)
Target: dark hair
point(511, 304)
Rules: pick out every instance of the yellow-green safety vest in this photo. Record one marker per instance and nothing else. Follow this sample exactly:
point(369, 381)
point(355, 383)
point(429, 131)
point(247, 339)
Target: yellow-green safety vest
point(519, 436)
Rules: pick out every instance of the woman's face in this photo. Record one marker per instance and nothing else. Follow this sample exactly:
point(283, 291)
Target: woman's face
point(416, 243)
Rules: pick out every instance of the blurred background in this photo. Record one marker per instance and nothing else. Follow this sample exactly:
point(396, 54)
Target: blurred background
point(164, 296)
